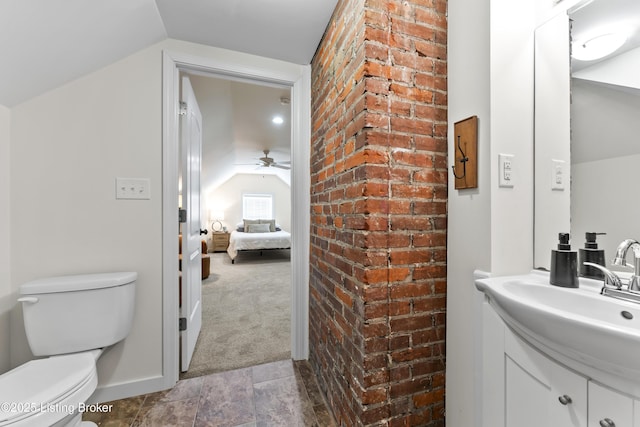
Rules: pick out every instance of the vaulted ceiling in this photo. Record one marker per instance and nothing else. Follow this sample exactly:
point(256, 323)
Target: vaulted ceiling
point(47, 43)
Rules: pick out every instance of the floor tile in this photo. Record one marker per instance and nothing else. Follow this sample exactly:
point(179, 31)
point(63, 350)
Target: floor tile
point(281, 393)
point(179, 413)
point(279, 403)
point(272, 371)
point(226, 399)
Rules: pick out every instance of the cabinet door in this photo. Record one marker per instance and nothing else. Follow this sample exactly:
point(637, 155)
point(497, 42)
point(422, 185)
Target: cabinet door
point(526, 397)
point(606, 404)
point(568, 405)
point(540, 391)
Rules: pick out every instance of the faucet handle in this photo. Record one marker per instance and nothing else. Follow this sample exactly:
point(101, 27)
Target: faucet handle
point(610, 278)
point(634, 283)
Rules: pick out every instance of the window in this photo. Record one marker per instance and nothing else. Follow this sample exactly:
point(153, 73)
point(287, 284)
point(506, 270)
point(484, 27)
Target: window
point(257, 206)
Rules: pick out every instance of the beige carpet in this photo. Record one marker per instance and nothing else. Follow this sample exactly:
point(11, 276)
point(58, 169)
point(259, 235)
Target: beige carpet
point(246, 313)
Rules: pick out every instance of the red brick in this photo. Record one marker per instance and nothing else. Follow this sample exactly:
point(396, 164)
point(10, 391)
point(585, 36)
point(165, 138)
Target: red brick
point(378, 212)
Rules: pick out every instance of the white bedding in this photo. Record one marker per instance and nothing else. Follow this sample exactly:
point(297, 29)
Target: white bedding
point(240, 241)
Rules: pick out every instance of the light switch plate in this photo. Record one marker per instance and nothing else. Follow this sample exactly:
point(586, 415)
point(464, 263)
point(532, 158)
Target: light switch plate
point(506, 176)
point(558, 175)
point(133, 188)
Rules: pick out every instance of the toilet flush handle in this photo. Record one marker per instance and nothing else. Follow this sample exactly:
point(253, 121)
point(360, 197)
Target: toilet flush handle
point(32, 300)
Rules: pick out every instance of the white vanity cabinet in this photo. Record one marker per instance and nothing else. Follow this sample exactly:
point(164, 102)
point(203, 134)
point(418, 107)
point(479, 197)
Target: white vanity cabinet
point(523, 387)
point(608, 408)
point(540, 392)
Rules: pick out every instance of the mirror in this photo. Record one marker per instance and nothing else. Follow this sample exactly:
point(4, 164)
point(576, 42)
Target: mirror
point(604, 121)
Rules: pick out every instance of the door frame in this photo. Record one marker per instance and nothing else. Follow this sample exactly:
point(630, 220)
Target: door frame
point(255, 69)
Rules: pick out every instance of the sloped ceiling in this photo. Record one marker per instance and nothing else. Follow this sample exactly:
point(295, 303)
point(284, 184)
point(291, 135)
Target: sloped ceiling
point(237, 127)
point(47, 43)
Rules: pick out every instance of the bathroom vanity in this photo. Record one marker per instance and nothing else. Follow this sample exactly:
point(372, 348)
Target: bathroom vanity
point(547, 363)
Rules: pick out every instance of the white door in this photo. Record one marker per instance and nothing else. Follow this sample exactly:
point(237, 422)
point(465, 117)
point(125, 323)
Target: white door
point(191, 140)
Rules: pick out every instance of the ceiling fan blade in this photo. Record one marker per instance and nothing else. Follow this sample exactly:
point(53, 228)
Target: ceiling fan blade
point(279, 166)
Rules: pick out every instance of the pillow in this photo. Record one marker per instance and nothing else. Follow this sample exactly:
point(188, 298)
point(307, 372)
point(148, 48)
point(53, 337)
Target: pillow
point(246, 223)
point(258, 228)
point(240, 226)
point(271, 222)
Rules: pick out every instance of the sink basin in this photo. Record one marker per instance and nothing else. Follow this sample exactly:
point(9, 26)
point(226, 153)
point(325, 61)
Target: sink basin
point(579, 324)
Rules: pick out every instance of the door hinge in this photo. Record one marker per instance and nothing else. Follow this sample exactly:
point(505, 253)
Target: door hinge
point(183, 109)
point(182, 215)
point(182, 324)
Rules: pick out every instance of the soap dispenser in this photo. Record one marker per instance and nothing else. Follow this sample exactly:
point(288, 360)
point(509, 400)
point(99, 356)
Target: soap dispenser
point(564, 264)
point(591, 253)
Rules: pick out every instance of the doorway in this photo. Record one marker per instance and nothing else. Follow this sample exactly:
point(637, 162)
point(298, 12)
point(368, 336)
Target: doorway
point(245, 305)
point(242, 67)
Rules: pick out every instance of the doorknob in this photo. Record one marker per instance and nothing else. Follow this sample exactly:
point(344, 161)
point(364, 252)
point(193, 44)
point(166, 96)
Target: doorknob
point(205, 231)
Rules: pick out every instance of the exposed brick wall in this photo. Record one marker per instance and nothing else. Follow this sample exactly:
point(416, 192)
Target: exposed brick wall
point(379, 195)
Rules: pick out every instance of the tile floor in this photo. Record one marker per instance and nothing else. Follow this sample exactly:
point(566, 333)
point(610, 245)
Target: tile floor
point(274, 394)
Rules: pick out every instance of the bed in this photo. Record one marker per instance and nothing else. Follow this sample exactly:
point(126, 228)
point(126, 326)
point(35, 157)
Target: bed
point(250, 240)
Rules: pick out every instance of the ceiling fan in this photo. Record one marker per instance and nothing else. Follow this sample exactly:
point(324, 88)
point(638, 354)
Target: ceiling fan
point(269, 162)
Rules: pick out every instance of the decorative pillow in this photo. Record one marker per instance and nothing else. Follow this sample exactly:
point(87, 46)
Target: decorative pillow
point(271, 222)
point(246, 223)
point(240, 226)
point(258, 228)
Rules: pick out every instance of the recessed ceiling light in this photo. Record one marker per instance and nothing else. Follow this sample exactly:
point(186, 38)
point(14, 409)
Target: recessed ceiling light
point(278, 120)
point(597, 47)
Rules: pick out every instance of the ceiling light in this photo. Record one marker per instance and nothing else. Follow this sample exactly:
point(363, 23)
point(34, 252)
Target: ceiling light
point(598, 47)
point(278, 120)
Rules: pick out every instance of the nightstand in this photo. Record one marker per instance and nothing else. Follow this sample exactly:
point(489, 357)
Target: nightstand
point(219, 241)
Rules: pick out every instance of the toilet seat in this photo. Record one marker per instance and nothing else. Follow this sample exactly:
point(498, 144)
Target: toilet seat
point(45, 391)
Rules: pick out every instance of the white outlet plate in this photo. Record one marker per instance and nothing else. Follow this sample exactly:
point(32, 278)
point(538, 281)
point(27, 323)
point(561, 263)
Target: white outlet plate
point(133, 188)
point(558, 175)
point(506, 175)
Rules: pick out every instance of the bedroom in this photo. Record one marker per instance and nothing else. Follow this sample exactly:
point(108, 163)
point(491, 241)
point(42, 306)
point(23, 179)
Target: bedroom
point(239, 181)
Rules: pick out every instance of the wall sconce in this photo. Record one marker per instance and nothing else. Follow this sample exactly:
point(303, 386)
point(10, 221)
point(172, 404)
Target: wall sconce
point(216, 220)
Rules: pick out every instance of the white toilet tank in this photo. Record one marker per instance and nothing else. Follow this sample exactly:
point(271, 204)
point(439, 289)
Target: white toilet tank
point(77, 313)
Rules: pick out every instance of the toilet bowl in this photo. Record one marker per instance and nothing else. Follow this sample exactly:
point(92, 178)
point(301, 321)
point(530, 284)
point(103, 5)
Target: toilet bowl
point(71, 319)
point(43, 392)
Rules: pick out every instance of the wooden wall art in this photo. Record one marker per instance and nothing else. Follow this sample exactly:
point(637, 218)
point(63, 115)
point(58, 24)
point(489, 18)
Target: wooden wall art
point(465, 167)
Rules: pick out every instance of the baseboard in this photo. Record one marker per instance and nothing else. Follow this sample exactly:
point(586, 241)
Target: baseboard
point(124, 390)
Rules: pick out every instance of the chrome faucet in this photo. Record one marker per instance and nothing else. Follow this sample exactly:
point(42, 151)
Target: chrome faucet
point(610, 278)
point(620, 259)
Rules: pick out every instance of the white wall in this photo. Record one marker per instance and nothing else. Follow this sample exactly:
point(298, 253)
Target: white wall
point(606, 186)
point(491, 75)
point(469, 211)
point(67, 148)
point(7, 297)
point(490, 62)
point(228, 197)
point(605, 154)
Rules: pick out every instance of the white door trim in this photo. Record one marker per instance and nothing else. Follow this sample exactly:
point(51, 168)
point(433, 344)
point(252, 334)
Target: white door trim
point(300, 82)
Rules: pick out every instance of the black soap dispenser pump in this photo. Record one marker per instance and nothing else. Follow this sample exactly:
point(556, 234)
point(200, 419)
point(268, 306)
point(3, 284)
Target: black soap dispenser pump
point(591, 253)
point(564, 264)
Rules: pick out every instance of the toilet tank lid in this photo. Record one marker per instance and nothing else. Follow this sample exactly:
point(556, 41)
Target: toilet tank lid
point(78, 282)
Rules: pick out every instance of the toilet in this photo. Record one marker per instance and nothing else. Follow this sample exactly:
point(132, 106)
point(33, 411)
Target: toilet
point(70, 320)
